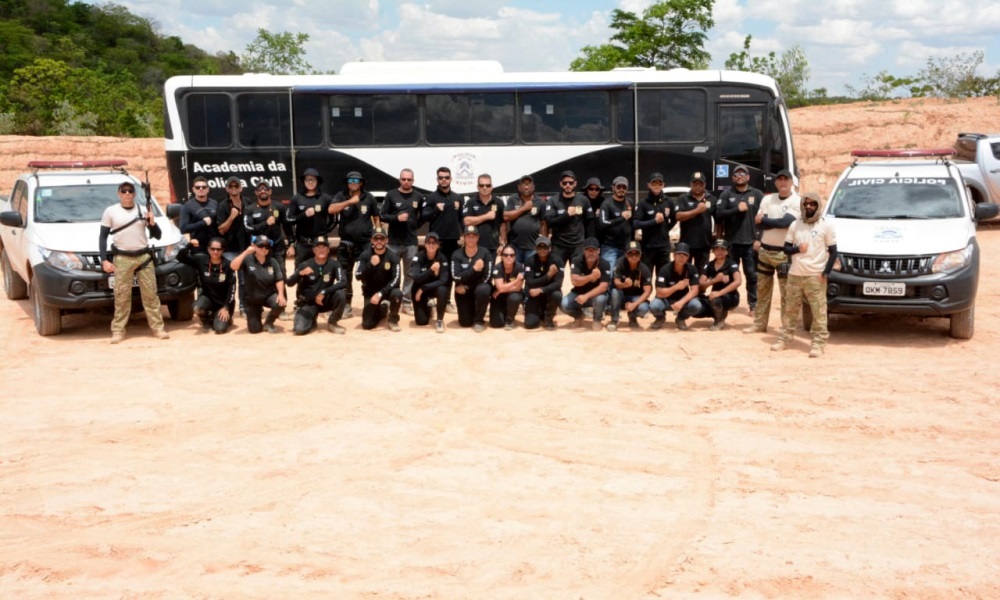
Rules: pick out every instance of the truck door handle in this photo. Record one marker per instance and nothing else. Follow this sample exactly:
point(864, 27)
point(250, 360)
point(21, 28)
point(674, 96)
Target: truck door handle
point(994, 170)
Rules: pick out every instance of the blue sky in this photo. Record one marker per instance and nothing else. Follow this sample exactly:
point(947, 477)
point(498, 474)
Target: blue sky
point(842, 39)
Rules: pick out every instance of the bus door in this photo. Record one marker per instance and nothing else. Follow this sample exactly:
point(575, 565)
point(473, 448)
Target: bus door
point(740, 140)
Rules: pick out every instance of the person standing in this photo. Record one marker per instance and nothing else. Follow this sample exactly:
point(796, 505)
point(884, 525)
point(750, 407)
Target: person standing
point(508, 281)
point(431, 281)
point(485, 212)
point(614, 222)
point(399, 213)
point(654, 218)
point(736, 212)
point(379, 273)
point(566, 216)
point(676, 290)
point(229, 222)
point(720, 278)
point(593, 191)
point(264, 219)
point(694, 213)
point(524, 214)
point(632, 284)
point(357, 212)
point(811, 242)
point(590, 275)
point(308, 215)
point(470, 270)
point(323, 289)
point(543, 279)
point(216, 284)
point(442, 209)
point(127, 225)
point(776, 214)
point(265, 283)
point(197, 217)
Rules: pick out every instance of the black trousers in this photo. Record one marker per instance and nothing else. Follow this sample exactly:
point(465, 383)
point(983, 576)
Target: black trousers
point(472, 304)
point(348, 254)
point(543, 306)
point(422, 309)
point(256, 310)
point(308, 313)
point(208, 312)
point(654, 258)
point(504, 307)
point(372, 314)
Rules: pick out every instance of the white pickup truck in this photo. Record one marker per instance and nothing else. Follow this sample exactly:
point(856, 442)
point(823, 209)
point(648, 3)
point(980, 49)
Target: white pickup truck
point(978, 159)
point(49, 231)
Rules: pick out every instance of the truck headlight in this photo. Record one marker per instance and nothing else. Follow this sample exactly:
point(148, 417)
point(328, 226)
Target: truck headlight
point(949, 262)
point(66, 261)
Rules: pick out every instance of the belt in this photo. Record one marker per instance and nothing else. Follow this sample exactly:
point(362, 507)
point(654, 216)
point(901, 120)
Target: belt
point(772, 248)
point(121, 252)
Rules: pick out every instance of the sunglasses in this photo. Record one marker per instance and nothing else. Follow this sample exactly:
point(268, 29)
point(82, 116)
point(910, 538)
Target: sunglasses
point(215, 249)
point(508, 255)
point(126, 191)
point(264, 246)
point(201, 187)
point(443, 177)
point(593, 189)
point(741, 174)
point(621, 187)
point(234, 186)
point(353, 180)
point(566, 182)
point(406, 179)
point(656, 183)
point(485, 185)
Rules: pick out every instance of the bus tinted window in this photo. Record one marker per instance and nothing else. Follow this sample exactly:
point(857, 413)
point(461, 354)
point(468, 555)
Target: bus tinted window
point(664, 116)
point(373, 120)
point(455, 119)
point(741, 134)
point(263, 120)
point(565, 117)
point(209, 123)
point(308, 115)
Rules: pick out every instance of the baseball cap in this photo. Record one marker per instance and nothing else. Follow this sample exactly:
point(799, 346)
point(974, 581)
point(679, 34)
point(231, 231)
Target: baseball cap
point(233, 179)
point(322, 241)
point(566, 174)
point(721, 243)
point(432, 235)
point(543, 241)
point(657, 176)
point(526, 178)
point(784, 173)
point(739, 168)
point(591, 243)
point(262, 184)
point(310, 172)
point(353, 175)
point(698, 176)
point(378, 232)
point(470, 229)
point(262, 241)
point(126, 185)
point(620, 181)
point(682, 248)
point(633, 246)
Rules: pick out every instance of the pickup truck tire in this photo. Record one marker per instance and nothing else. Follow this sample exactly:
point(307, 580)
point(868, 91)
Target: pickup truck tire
point(963, 324)
point(47, 318)
point(182, 309)
point(13, 285)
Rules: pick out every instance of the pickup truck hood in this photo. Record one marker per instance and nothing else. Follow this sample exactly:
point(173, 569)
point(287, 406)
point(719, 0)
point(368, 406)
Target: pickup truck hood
point(82, 237)
point(901, 237)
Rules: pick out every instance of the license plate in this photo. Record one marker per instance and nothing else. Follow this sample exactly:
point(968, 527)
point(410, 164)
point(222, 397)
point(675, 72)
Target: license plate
point(883, 288)
point(111, 281)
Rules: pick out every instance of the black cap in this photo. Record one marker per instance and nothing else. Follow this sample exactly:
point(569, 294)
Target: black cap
point(432, 235)
point(262, 184)
point(784, 173)
point(657, 176)
point(697, 176)
point(322, 241)
point(526, 178)
point(721, 243)
point(591, 242)
point(739, 168)
point(126, 185)
point(543, 241)
point(379, 231)
point(566, 174)
point(234, 179)
point(633, 246)
point(470, 229)
point(354, 175)
point(682, 248)
point(262, 241)
point(310, 172)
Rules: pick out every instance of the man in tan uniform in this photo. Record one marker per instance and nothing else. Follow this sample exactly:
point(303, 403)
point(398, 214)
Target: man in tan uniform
point(776, 214)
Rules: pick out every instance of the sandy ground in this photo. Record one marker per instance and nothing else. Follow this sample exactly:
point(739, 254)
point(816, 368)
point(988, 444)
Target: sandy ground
point(569, 464)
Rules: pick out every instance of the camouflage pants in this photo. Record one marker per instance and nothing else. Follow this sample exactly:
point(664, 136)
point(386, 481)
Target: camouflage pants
point(768, 262)
point(125, 269)
point(812, 289)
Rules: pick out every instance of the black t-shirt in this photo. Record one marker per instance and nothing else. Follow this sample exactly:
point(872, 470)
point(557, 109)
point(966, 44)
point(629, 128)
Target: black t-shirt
point(308, 229)
point(402, 233)
point(579, 267)
point(536, 274)
point(696, 232)
point(216, 282)
point(640, 276)
point(326, 278)
point(255, 221)
point(709, 270)
point(489, 230)
point(260, 279)
point(612, 228)
point(462, 267)
point(356, 219)
point(655, 235)
point(445, 221)
point(236, 236)
point(567, 230)
point(522, 232)
point(667, 277)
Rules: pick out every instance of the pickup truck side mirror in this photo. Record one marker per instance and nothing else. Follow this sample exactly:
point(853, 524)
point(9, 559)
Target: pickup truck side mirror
point(984, 211)
point(11, 218)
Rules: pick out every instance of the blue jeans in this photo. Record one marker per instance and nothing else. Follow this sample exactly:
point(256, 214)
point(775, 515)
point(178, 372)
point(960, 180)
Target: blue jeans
point(619, 299)
point(660, 306)
point(611, 254)
point(572, 308)
point(523, 256)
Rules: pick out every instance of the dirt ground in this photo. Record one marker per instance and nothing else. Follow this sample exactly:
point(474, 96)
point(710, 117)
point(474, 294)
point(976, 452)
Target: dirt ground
point(503, 465)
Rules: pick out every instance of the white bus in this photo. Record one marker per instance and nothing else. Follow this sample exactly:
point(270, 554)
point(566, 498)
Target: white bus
point(378, 118)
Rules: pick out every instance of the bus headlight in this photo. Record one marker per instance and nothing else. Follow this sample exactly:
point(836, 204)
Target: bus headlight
point(949, 262)
point(66, 261)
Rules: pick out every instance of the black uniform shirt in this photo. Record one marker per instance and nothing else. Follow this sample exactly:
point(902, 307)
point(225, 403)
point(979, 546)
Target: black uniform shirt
point(356, 219)
point(489, 230)
point(579, 267)
point(536, 274)
point(655, 235)
point(499, 273)
point(462, 272)
point(738, 227)
point(260, 280)
point(446, 222)
point(401, 233)
point(307, 229)
point(236, 236)
point(523, 231)
point(326, 278)
point(423, 277)
point(728, 267)
point(377, 278)
point(612, 228)
point(192, 221)
point(216, 282)
point(696, 232)
point(255, 221)
point(567, 231)
point(667, 277)
point(640, 276)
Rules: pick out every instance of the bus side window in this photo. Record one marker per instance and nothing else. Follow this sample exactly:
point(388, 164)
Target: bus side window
point(209, 120)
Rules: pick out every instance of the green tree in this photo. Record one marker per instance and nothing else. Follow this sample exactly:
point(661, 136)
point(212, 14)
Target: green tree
point(276, 53)
point(955, 77)
point(670, 34)
point(790, 70)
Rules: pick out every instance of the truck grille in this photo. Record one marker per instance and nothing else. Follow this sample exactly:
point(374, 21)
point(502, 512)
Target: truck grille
point(886, 266)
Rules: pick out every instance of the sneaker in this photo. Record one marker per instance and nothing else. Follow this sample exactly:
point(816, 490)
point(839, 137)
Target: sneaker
point(117, 338)
point(288, 315)
point(336, 328)
point(451, 309)
point(753, 308)
point(432, 303)
point(778, 346)
point(716, 326)
point(612, 326)
point(161, 334)
point(754, 329)
point(393, 326)
point(597, 326)
point(348, 312)
point(508, 327)
point(439, 327)
point(681, 324)
point(407, 309)
point(815, 352)
point(658, 323)
point(270, 328)
point(479, 328)
point(549, 326)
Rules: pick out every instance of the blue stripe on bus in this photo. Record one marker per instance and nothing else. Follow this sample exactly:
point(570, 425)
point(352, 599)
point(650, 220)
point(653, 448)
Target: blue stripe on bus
point(458, 88)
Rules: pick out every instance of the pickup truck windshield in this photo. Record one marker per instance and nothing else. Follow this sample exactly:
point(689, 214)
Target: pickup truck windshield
point(896, 198)
point(78, 203)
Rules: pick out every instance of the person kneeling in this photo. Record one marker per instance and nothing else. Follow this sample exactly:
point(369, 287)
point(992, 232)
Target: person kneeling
point(322, 290)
